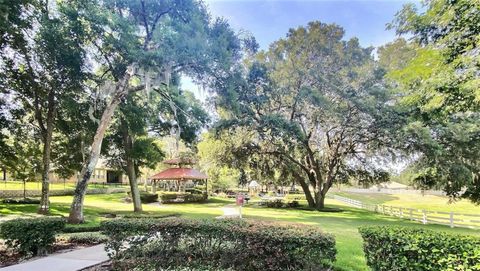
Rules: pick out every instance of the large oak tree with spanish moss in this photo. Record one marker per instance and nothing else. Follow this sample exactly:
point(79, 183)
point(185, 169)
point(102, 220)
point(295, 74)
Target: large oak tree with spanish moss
point(142, 45)
point(314, 103)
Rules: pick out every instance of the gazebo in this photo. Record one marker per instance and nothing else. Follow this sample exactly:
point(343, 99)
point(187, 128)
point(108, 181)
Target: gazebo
point(180, 171)
point(253, 187)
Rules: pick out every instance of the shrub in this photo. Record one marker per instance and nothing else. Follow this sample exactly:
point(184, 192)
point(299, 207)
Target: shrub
point(399, 248)
point(148, 197)
point(21, 201)
point(31, 236)
point(140, 215)
point(154, 244)
point(80, 228)
point(293, 204)
point(195, 198)
point(182, 197)
point(194, 191)
point(168, 198)
point(86, 238)
point(276, 203)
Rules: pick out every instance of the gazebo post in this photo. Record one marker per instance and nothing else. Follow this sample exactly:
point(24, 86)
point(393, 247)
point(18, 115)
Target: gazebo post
point(154, 186)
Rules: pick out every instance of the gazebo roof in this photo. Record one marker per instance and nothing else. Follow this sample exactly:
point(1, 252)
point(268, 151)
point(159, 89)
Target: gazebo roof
point(179, 174)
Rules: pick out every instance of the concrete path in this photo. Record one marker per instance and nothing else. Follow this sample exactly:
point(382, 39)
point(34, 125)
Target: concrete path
point(68, 261)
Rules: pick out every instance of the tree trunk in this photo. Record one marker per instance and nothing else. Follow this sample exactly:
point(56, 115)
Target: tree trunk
point(306, 191)
point(322, 194)
point(130, 169)
point(44, 200)
point(320, 201)
point(76, 209)
point(47, 142)
point(132, 178)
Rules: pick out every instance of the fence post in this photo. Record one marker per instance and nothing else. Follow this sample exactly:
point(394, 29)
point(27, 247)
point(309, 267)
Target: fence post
point(424, 220)
point(411, 214)
point(451, 220)
point(401, 212)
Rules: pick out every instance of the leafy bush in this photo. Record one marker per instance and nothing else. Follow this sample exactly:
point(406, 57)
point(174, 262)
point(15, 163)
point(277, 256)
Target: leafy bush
point(148, 197)
point(31, 236)
point(167, 198)
point(21, 201)
point(182, 197)
point(293, 204)
point(153, 244)
point(398, 248)
point(140, 215)
point(194, 191)
point(276, 203)
point(86, 238)
point(81, 228)
point(195, 198)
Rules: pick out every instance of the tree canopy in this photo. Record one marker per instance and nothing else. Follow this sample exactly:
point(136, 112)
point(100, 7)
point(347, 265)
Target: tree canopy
point(440, 88)
point(316, 104)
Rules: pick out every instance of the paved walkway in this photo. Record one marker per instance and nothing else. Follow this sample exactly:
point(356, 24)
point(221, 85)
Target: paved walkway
point(68, 261)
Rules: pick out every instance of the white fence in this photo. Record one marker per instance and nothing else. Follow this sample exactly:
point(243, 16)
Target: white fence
point(391, 191)
point(424, 216)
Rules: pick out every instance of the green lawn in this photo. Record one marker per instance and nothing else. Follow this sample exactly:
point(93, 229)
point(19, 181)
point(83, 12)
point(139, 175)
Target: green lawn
point(17, 185)
point(427, 202)
point(343, 225)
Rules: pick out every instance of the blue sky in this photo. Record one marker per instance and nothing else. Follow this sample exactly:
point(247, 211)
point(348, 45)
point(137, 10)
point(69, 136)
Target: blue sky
point(270, 20)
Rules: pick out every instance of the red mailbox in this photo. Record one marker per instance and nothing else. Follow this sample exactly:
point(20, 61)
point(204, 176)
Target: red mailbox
point(240, 199)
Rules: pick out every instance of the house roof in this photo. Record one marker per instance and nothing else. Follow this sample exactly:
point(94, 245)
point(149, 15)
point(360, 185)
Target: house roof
point(179, 174)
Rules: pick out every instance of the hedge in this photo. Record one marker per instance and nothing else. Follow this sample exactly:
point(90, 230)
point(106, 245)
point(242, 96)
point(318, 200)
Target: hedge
point(81, 228)
point(33, 236)
point(21, 201)
point(182, 197)
point(279, 203)
point(399, 248)
point(86, 238)
point(194, 191)
point(148, 197)
point(155, 244)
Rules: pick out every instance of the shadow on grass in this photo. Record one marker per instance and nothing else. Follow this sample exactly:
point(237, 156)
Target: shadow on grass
point(219, 200)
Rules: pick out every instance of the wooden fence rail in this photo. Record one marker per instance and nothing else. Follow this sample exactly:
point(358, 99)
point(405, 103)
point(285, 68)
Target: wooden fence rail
point(423, 216)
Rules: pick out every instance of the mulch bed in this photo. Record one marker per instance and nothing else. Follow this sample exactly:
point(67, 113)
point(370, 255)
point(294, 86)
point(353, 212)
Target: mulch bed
point(8, 258)
point(106, 266)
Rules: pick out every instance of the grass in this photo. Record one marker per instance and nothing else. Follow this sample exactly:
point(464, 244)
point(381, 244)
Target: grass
point(427, 202)
point(344, 225)
point(17, 185)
